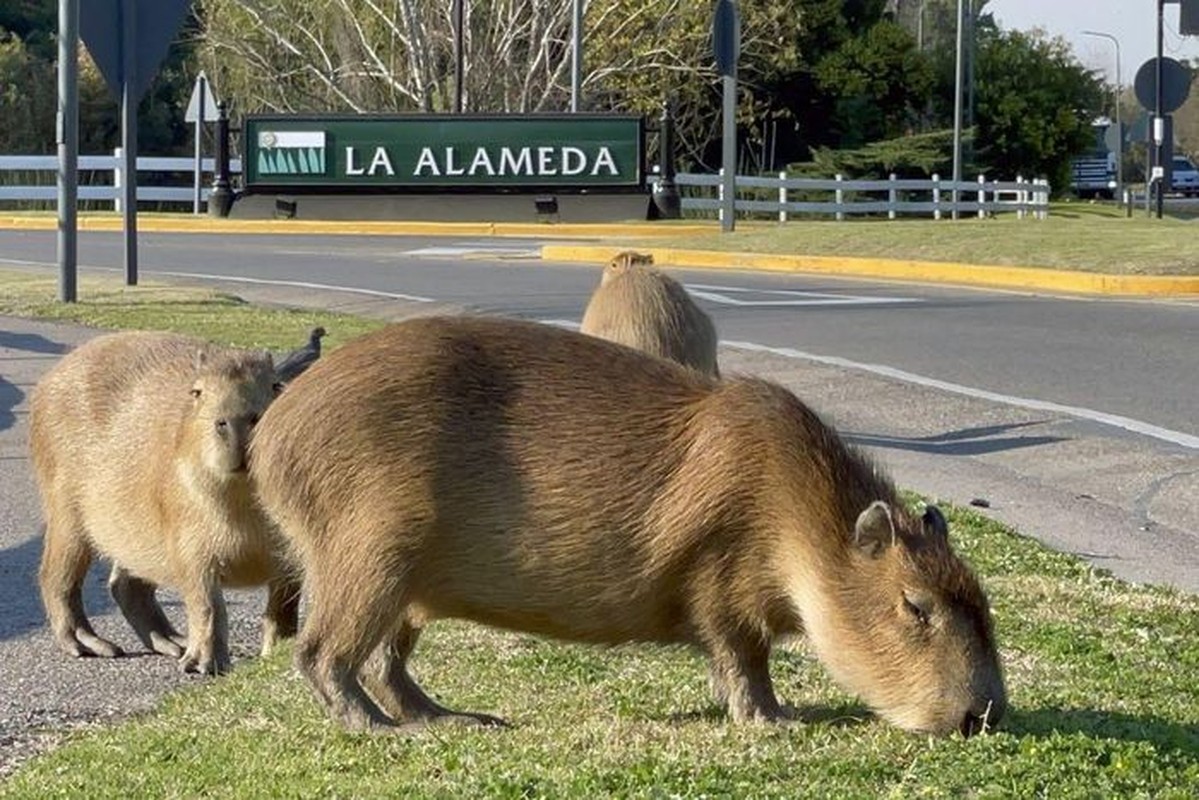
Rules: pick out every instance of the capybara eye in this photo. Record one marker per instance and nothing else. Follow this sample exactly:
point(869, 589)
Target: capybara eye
point(916, 611)
point(195, 392)
point(253, 420)
point(277, 387)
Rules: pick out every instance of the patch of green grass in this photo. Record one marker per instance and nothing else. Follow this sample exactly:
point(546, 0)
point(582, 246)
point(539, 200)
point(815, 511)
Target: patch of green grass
point(1075, 236)
point(1100, 676)
point(212, 315)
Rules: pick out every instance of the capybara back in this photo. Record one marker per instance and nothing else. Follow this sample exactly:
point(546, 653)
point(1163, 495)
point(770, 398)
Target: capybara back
point(643, 308)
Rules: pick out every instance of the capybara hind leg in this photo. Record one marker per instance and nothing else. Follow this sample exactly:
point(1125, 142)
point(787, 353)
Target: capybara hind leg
point(207, 629)
point(66, 556)
point(741, 669)
point(137, 602)
point(282, 617)
point(387, 679)
point(334, 679)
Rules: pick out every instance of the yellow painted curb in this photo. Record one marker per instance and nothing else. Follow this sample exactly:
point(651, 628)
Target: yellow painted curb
point(931, 271)
point(204, 224)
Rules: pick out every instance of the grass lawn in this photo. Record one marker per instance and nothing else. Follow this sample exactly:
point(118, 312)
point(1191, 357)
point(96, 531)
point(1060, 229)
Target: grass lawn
point(1101, 679)
point(1075, 236)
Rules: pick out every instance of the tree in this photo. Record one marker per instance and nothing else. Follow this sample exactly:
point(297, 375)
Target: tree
point(880, 83)
point(1034, 104)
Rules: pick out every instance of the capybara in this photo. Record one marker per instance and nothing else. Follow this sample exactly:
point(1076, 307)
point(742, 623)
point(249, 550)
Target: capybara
point(641, 307)
point(540, 480)
point(139, 444)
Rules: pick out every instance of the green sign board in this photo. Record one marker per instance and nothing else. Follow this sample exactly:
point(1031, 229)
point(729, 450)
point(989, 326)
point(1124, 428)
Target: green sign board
point(443, 152)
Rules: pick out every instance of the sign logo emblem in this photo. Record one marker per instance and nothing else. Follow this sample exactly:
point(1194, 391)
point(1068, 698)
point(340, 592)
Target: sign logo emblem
point(291, 153)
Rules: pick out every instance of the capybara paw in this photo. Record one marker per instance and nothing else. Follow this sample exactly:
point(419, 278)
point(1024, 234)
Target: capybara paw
point(82, 644)
point(173, 646)
point(203, 663)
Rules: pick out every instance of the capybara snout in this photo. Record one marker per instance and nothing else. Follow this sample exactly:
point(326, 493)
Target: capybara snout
point(536, 479)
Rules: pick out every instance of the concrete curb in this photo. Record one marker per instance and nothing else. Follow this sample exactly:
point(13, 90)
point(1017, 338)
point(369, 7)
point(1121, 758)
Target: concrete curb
point(894, 269)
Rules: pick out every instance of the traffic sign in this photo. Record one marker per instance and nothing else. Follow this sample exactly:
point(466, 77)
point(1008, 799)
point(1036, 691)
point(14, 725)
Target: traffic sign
point(202, 100)
point(726, 36)
point(103, 28)
point(1176, 84)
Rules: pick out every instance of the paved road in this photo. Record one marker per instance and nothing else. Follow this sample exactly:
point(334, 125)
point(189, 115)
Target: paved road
point(1075, 419)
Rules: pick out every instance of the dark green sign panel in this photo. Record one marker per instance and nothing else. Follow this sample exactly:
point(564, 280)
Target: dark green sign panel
point(423, 152)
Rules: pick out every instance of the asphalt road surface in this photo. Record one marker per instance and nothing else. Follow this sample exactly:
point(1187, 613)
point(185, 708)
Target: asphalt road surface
point(1073, 419)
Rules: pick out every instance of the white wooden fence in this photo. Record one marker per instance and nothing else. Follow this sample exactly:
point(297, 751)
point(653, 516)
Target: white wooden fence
point(182, 167)
point(756, 196)
point(775, 196)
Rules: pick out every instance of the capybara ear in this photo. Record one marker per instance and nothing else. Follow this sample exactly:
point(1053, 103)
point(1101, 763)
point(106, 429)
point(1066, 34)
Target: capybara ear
point(643, 258)
point(874, 531)
point(199, 360)
point(934, 522)
point(277, 387)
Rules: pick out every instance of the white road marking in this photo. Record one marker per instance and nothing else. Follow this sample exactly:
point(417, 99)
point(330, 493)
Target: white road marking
point(726, 295)
point(475, 252)
point(1115, 420)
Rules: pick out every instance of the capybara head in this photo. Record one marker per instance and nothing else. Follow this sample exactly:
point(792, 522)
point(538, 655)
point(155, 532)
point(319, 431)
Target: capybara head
point(230, 392)
point(910, 629)
point(623, 262)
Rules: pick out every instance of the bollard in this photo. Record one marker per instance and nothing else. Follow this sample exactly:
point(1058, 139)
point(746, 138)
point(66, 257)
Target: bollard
point(666, 198)
point(220, 199)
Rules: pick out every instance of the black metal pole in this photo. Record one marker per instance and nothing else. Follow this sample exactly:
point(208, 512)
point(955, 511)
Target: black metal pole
point(220, 200)
point(68, 149)
point(667, 198)
point(1159, 127)
point(458, 56)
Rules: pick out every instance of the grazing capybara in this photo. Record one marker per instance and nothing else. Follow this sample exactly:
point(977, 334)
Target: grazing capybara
point(643, 308)
point(139, 442)
point(536, 479)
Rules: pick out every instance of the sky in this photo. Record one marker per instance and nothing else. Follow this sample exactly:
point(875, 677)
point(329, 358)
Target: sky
point(1132, 22)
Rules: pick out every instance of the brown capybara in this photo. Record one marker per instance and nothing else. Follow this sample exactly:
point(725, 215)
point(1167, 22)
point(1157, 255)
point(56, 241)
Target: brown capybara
point(536, 479)
point(139, 444)
point(643, 308)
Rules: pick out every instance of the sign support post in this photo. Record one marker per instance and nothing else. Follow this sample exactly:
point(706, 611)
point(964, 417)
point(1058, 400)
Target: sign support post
point(726, 44)
point(67, 125)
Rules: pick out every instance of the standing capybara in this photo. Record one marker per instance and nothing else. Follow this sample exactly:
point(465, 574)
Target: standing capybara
point(643, 308)
point(139, 444)
point(540, 480)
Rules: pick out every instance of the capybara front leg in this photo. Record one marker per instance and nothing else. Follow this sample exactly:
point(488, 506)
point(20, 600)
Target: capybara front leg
point(66, 556)
point(282, 617)
point(387, 679)
point(745, 668)
point(137, 602)
point(207, 628)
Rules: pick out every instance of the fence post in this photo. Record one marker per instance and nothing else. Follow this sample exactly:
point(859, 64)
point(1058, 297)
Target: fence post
point(936, 196)
point(982, 196)
point(892, 197)
point(839, 196)
point(720, 196)
point(118, 180)
point(783, 196)
point(1021, 197)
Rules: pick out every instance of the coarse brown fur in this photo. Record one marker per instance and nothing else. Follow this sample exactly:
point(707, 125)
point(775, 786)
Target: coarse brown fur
point(643, 308)
point(532, 478)
point(138, 443)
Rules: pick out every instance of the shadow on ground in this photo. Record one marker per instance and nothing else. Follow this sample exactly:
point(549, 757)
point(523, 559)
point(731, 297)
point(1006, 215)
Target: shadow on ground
point(31, 343)
point(1111, 724)
point(963, 442)
point(20, 597)
point(10, 397)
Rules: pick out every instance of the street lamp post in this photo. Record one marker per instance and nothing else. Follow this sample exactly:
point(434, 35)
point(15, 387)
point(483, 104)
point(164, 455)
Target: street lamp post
point(1119, 127)
point(957, 109)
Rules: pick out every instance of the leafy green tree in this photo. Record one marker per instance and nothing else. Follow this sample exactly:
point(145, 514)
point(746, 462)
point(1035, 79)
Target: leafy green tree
point(1034, 103)
point(879, 82)
point(27, 100)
